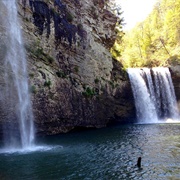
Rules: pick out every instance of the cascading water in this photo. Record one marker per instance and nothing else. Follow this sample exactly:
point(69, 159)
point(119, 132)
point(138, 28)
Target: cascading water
point(154, 94)
point(16, 96)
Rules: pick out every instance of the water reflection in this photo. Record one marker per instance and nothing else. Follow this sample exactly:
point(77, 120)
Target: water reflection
point(109, 153)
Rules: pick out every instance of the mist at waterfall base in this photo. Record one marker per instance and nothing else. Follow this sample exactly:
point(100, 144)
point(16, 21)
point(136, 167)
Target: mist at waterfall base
point(154, 95)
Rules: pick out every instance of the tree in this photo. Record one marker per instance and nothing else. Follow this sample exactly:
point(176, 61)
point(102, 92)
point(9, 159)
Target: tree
point(155, 41)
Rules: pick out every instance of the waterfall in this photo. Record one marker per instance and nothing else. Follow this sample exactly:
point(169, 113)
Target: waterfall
point(19, 129)
point(154, 94)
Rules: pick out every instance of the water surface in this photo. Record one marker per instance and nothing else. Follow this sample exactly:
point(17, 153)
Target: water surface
point(109, 153)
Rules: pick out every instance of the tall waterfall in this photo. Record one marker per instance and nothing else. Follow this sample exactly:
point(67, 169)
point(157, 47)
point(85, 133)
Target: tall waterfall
point(154, 94)
point(16, 94)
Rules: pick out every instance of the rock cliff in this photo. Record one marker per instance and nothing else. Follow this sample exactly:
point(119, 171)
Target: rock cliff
point(74, 81)
point(175, 73)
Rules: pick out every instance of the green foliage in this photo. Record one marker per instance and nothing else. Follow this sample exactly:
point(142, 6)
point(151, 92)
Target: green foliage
point(61, 74)
point(155, 41)
point(89, 92)
point(38, 52)
point(69, 16)
point(103, 79)
point(47, 83)
point(76, 69)
point(54, 12)
point(96, 81)
point(33, 89)
point(49, 58)
point(31, 75)
point(113, 84)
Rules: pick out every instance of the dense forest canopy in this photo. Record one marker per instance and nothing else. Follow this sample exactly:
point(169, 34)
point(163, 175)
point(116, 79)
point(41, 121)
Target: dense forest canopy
point(153, 42)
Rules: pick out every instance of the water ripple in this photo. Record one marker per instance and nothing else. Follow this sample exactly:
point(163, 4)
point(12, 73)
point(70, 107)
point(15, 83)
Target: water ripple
point(104, 154)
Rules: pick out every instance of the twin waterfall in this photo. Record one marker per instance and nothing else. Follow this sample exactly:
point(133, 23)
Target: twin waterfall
point(16, 95)
point(154, 94)
point(152, 88)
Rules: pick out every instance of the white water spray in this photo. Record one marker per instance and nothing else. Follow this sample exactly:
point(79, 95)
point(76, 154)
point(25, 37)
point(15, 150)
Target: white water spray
point(154, 94)
point(16, 84)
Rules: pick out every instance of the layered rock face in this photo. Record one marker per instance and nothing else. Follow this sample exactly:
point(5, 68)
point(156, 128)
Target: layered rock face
point(175, 73)
point(73, 80)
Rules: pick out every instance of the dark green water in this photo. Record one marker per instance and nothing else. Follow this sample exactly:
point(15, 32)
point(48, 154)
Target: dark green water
point(103, 154)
